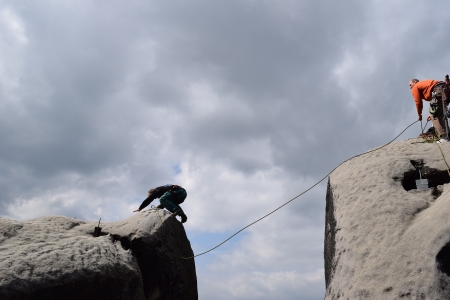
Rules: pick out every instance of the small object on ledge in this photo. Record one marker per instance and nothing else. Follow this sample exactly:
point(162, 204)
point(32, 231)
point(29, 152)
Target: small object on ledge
point(98, 229)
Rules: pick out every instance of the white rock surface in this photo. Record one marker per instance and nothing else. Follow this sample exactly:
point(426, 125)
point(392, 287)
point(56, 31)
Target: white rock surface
point(382, 241)
point(58, 258)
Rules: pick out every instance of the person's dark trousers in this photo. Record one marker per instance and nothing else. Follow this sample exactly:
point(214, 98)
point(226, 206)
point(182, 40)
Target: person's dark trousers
point(171, 200)
point(439, 121)
point(439, 118)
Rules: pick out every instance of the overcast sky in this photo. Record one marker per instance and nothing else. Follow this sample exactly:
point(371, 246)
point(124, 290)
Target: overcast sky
point(244, 103)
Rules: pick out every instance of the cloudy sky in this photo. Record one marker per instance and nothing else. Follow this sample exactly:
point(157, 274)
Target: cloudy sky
point(244, 103)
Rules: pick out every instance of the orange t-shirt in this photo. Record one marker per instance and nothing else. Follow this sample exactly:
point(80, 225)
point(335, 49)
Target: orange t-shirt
point(422, 90)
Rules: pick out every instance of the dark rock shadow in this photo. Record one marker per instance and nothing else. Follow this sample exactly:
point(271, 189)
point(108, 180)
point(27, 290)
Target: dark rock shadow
point(435, 177)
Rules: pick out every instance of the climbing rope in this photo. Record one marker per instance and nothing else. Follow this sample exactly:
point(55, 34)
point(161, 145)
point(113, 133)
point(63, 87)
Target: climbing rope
point(443, 157)
point(433, 138)
point(286, 203)
point(423, 128)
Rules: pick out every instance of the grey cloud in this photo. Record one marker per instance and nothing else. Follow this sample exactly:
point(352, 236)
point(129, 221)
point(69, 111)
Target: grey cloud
point(253, 57)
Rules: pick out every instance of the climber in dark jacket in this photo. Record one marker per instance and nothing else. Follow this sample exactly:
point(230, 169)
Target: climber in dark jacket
point(170, 196)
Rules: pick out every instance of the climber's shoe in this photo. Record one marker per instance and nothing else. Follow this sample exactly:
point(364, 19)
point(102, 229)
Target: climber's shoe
point(180, 213)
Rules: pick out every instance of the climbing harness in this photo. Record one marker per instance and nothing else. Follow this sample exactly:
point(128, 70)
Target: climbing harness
point(304, 192)
point(436, 97)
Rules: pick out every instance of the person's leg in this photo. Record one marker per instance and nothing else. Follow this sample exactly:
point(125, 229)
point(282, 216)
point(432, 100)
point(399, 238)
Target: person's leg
point(168, 202)
point(179, 195)
point(439, 122)
point(439, 125)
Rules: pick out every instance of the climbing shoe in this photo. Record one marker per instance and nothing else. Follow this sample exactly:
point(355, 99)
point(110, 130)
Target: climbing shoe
point(180, 213)
point(183, 218)
point(160, 206)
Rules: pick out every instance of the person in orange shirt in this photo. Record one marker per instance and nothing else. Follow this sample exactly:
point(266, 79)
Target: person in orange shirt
point(436, 93)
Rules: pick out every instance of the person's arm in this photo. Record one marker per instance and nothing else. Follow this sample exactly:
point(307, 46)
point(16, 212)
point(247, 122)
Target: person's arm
point(418, 99)
point(152, 195)
point(146, 202)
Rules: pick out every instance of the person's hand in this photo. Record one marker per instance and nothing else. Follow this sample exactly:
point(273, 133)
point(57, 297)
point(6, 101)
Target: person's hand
point(429, 118)
point(420, 117)
point(136, 210)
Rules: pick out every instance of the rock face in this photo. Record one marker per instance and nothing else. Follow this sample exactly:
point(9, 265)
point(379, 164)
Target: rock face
point(385, 239)
point(58, 258)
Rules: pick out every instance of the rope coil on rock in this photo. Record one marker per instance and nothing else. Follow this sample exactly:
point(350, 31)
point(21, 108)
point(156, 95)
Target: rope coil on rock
point(304, 192)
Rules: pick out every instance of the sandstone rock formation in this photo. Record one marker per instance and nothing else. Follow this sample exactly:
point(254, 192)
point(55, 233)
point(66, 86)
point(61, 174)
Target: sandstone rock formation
point(58, 258)
point(384, 239)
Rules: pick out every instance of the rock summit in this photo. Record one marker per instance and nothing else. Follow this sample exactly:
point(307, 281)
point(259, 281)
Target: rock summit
point(59, 258)
point(384, 238)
